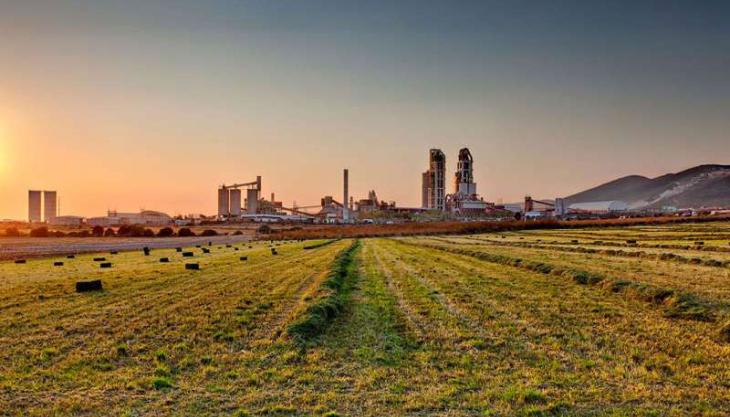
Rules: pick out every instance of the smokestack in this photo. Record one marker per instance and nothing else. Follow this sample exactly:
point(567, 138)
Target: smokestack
point(345, 198)
point(272, 197)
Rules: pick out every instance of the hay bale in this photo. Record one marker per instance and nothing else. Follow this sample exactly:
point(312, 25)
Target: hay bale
point(631, 241)
point(84, 286)
point(228, 246)
point(193, 267)
point(146, 251)
point(105, 265)
point(206, 250)
point(187, 254)
point(99, 259)
point(178, 249)
point(574, 241)
point(244, 258)
point(235, 248)
point(114, 252)
point(58, 263)
point(70, 256)
point(164, 260)
point(20, 261)
point(197, 246)
point(699, 243)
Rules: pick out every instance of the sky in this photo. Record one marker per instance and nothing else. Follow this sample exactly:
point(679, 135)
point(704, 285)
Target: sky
point(148, 104)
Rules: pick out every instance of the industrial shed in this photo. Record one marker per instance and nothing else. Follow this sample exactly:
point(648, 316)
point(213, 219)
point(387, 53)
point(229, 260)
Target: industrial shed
point(599, 206)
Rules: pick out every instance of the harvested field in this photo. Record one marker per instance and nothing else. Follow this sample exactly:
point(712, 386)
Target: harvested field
point(475, 325)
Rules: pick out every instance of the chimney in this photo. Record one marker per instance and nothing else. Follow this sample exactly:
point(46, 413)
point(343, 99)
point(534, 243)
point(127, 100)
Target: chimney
point(345, 198)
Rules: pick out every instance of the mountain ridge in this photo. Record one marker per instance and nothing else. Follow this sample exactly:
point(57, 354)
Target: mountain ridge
point(706, 185)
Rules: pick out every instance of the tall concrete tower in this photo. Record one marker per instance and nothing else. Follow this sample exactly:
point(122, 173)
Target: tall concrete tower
point(345, 197)
point(464, 177)
point(50, 205)
point(34, 206)
point(434, 181)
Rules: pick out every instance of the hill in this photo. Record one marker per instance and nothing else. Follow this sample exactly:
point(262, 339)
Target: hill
point(701, 186)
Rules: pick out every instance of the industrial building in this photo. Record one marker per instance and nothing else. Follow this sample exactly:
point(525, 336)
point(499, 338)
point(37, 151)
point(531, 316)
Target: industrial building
point(144, 217)
point(50, 206)
point(433, 187)
point(75, 221)
point(465, 200)
point(34, 206)
point(229, 199)
point(47, 200)
point(599, 207)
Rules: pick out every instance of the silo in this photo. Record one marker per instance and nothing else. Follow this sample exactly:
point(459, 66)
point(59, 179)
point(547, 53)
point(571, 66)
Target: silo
point(50, 205)
point(34, 206)
point(223, 202)
point(235, 203)
point(252, 201)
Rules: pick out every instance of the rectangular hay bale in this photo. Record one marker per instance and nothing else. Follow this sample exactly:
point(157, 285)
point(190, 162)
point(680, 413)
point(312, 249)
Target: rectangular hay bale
point(193, 267)
point(84, 286)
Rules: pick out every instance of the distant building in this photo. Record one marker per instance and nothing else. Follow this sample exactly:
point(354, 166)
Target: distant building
point(67, 221)
point(50, 206)
point(465, 200)
point(34, 206)
point(599, 207)
point(145, 217)
point(433, 187)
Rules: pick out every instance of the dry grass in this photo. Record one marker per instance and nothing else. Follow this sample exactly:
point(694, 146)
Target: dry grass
point(420, 331)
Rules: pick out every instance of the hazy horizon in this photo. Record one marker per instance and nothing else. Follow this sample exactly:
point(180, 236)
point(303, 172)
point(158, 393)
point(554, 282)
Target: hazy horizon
point(153, 104)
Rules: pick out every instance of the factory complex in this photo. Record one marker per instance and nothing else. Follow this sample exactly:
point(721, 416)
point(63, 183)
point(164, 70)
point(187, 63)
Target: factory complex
point(441, 199)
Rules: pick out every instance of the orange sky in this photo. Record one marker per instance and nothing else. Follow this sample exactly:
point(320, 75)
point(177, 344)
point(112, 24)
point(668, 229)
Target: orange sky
point(154, 107)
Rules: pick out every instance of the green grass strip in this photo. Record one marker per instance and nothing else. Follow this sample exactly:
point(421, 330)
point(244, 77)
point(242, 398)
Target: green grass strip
point(334, 293)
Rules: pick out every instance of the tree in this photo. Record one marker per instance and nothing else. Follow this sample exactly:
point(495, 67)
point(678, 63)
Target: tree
point(209, 232)
point(12, 232)
point(109, 232)
point(97, 231)
point(165, 232)
point(185, 232)
point(39, 232)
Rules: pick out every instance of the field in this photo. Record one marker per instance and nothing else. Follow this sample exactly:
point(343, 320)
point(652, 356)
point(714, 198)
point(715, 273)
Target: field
point(605, 321)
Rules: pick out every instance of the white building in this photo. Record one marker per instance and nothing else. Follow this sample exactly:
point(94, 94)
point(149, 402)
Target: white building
point(599, 206)
point(145, 217)
point(66, 221)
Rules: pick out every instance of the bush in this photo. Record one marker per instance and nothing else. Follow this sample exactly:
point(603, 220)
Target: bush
point(133, 230)
point(237, 233)
point(97, 231)
point(165, 232)
point(148, 233)
point(58, 233)
point(109, 232)
point(185, 232)
point(39, 232)
point(12, 232)
point(209, 232)
point(264, 229)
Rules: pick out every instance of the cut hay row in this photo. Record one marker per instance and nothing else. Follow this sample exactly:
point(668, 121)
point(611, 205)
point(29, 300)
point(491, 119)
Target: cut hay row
point(676, 304)
point(320, 244)
point(331, 300)
point(547, 347)
point(666, 256)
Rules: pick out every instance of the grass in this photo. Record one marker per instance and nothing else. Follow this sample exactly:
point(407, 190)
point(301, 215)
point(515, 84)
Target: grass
point(417, 326)
point(331, 299)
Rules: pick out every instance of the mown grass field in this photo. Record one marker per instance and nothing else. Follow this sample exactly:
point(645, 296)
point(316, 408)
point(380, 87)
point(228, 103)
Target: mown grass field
point(533, 323)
